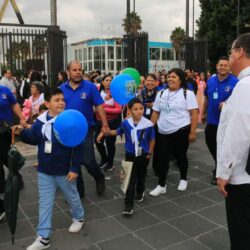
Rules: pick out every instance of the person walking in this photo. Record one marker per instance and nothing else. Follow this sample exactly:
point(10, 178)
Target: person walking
point(82, 95)
point(217, 91)
point(233, 142)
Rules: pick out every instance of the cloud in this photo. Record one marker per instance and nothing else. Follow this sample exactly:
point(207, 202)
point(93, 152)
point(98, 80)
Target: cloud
point(83, 19)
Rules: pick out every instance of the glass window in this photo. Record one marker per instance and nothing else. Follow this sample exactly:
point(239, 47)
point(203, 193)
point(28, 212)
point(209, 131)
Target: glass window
point(167, 54)
point(80, 54)
point(90, 66)
point(111, 65)
point(97, 53)
point(118, 65)
point(90, 53)
point(84, 54)
point(110, 52)
point(97, 65)
point(85, 66)
point(119, 52)
point(76, 57)
point(154, 53)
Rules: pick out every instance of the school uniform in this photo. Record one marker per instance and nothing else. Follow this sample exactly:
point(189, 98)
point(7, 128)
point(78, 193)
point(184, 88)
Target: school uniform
point(137, 139)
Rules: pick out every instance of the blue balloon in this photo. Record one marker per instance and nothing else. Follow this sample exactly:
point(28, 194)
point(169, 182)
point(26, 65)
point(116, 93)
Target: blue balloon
point(123, 88)
point(70, 128)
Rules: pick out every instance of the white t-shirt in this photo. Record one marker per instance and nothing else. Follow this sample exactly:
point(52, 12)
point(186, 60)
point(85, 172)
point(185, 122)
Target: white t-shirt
point(174, 109)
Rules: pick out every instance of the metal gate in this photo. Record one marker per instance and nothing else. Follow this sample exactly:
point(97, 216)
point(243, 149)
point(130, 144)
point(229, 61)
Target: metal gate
point(136, 51)
point(38, 47)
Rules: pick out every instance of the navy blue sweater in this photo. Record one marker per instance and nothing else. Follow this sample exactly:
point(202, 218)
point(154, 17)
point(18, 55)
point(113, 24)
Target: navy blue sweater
point(58, 162)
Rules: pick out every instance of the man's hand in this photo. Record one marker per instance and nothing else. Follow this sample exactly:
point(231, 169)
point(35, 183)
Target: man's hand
point(99, 137)
point(18, 129)
point(71, 176)
point(221, 183)
point(105, 130)
point(204, 118)
point(23, 122)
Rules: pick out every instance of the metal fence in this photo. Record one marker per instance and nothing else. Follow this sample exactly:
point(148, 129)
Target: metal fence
point(136, 51)
point(37, 47)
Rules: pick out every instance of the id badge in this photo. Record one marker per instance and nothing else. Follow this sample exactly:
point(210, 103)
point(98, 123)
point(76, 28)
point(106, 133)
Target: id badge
point(139, 152)
point(148, 110)
point(48, 147)
point(215, 95)
point(167, 107)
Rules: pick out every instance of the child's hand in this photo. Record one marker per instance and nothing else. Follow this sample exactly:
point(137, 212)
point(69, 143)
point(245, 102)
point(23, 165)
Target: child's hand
point(72, 176)
point(99, 137)
point(18, 129)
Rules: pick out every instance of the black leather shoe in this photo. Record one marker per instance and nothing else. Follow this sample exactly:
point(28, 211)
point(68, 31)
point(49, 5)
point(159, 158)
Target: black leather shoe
point(100, 186)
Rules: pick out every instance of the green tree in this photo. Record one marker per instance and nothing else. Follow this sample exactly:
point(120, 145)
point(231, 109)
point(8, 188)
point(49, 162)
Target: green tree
point(135, 23)
point(218, 24)
point(177, 37)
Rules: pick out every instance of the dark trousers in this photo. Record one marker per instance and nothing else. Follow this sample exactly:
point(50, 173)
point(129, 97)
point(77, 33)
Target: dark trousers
point(89, 160)
point(109, 154)
point(176, 143)
point(238, 216)
point(210, 138)
point(156, 152)
point(138, 177)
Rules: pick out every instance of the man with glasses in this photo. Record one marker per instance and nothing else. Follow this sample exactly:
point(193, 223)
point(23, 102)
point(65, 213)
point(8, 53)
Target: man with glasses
point(233, 140)
point(218, 90)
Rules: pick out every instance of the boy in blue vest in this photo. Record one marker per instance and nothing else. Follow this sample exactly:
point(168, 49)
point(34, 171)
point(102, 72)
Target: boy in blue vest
point(57, 167)
point(139, 145)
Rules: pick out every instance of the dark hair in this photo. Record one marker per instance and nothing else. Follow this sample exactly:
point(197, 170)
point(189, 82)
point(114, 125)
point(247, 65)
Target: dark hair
point(93, 76)
point(133, 101)
point(151, 75)
point(4, 72)
point(243, 41)
point(224, 58)
point(101, 85)
point(64, 75)
point(35, 76)
point(181, 75)
point(49, 92)
point(39, 86)
point(42, 107)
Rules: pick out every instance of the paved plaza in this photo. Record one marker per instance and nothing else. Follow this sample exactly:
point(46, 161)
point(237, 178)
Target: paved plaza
point(191, 220)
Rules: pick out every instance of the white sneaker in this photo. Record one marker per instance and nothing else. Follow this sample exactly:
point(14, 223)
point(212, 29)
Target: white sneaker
point(76, 226)
point(182, 185)
point(39, 244)
point(158, 190)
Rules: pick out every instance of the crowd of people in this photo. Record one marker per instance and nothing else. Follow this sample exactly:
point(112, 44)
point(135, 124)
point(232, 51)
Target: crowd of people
point(160, 122)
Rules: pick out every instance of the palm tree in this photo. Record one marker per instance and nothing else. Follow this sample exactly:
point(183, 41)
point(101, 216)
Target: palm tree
point(135, 23)
point(177, 37)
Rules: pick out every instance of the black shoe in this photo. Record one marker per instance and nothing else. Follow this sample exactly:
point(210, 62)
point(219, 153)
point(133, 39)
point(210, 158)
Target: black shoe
point(214, 180)
point(102, 164)
point(128, 210)
point(139, 197)
point(100, 186)
point(109, 168)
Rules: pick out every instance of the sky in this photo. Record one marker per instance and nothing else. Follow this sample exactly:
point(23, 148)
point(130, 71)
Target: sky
point(86, 19)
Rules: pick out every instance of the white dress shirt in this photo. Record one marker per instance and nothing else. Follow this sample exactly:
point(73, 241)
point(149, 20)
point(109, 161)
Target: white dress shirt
point(233, 136)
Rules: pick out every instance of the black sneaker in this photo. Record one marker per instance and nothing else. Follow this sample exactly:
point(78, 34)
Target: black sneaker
point(102, 164)
point(100, 186)
point(128, 210)
point(139, 197)
point(109, 168)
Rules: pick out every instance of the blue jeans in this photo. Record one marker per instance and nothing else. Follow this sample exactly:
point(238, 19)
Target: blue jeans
point(47, 185)
point(89, 160)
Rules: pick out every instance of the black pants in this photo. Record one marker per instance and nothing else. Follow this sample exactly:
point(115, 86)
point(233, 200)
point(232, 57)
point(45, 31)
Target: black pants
point(138, 177)
point(176, 143)
point(210, 138)
point(109, 154)
point(89, 161)
point(238, 216)
point(156, 152)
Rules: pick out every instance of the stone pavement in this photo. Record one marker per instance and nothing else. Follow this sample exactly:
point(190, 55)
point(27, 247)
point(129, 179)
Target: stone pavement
point(191, 220)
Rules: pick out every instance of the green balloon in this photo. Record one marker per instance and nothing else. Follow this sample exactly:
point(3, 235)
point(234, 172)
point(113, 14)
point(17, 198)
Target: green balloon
point(134, 74)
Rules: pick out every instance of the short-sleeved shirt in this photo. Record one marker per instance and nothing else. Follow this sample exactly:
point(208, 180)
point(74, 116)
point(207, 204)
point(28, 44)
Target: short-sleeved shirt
point(216, 92)
point(7, 99)
point(174, 109)
point(148, 135)
point(83, 98)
